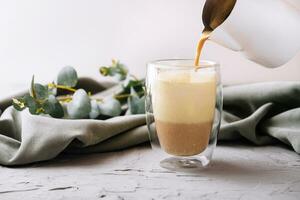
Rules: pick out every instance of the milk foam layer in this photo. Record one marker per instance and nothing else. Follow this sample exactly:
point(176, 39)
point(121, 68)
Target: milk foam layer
point(184, 97)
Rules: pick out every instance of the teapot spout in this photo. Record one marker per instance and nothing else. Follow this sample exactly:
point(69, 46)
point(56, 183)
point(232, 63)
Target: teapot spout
point(266, 32)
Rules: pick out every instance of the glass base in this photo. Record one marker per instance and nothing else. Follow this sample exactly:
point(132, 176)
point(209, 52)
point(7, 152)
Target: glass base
point(185, 163)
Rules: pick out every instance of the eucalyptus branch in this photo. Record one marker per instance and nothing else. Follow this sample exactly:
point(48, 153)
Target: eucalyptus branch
point(66, 98)
point(63, 87)
point(80, 104)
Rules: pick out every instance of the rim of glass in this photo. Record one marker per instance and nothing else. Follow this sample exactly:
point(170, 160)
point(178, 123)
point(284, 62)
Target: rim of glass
point(167, 64)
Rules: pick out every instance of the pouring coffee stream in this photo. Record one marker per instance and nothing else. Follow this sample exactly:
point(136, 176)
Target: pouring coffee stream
point(213, 15)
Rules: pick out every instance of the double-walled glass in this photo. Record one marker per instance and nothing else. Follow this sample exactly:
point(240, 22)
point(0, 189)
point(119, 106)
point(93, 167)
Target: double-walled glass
point(183, 110)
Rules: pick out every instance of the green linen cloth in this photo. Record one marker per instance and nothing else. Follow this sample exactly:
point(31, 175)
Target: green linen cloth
point(262, 113)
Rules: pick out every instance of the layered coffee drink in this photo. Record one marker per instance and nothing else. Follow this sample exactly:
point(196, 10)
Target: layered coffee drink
point(181, 100)
point(183, 107)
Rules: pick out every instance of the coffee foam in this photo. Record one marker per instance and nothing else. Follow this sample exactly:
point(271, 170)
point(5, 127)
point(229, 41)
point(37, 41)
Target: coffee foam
point(184, 96)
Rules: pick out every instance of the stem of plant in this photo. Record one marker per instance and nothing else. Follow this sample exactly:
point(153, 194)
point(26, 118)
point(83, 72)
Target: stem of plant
point(121, 96)
point(64, 98)
point(68, 98)
point(52, 85)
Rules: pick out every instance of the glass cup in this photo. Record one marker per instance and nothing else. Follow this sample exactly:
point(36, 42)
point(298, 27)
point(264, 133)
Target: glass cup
point(183, 111)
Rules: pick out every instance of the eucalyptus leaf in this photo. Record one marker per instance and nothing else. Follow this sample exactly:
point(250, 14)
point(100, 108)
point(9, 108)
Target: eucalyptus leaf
point(18, 104)
point(31, 104)
point(122, 71)
point(95, 111)
point(137, 85)
point(80, 106)
point(65, 109)
point(53, 107)
point(110, 107)
point(32, 89)
point(52, 90)
point(116, 70)
point(41, 91)
point(136, 105)
point(104, 71)
point(112, 71)
point(67, 77)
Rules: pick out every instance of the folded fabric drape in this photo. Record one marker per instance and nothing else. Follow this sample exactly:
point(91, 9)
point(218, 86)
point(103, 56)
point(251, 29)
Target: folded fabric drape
point(262, 113)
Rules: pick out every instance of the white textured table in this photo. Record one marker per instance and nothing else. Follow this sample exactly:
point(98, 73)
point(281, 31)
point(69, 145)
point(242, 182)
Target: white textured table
point(237, 172)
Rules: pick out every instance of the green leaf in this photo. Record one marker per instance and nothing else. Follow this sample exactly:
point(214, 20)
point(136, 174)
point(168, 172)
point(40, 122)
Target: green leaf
point(137, 85)
point(111, 107)
point(18, 104)
point(113, 71)
point(116, 70)
point(31, 104)
point(41, 91)
point(95, 111)
point(53, 107)
point(136, 105)
point(80, 106)
point(122, 70)
point(67, 77)
point(52, 90)
point(104, 71)
point(32, 89)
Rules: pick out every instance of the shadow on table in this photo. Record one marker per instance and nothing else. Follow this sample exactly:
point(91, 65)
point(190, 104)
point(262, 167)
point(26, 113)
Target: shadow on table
point(223, 168)
point(244, 168)
point(234, 172)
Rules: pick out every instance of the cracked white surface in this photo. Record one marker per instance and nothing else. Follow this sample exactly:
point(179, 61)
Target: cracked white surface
point(237, 172)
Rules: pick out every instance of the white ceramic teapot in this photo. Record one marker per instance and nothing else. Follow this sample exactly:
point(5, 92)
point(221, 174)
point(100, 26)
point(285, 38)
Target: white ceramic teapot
point(265, 31)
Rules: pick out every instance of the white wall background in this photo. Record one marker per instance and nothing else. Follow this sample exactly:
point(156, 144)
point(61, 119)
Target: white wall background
point(40, 36)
